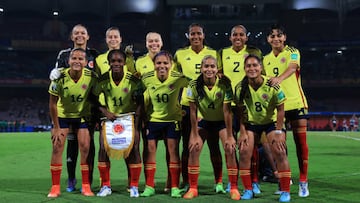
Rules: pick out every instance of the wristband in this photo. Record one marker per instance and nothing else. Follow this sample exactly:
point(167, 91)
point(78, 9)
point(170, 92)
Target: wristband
point(278, 132)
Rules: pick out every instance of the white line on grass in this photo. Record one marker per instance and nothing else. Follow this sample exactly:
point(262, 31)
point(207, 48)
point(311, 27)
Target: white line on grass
point(346, 137)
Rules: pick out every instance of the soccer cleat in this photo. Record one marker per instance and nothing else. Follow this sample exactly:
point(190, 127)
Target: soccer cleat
point(303, 189)
point(284, 197)
point(149, 191)
point(256, 188)
point(248, 194)
point(185, 187)
point(86, 190)
point(54, 191)
point(219, 188)
point(104, 191)
point(191, 193)
point(175, 192)
point(228, 187)
point(71, 185)
point(134, 191)
point(235, 194)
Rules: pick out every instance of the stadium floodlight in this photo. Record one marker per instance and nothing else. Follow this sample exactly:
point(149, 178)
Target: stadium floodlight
point(1, 10)
point(55, 13)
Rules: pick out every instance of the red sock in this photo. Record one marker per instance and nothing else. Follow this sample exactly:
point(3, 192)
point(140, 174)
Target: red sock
point(302, 151)
point(85, 173)
point(246, 178)
point(284, 177)
point(255, 165)
point(193, 172)
point(135, 170)
point(55, 170)
point(104, 170)
point(233, 176)
point(174, 168)
point(150, 169)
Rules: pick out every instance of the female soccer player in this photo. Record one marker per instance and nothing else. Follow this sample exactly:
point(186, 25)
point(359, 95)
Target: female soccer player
point(188, 61)
point(121, 95)
point(211, 97)
point(254, 96)
point(164, 88)
point(282, 64)
point(68, 106)
point(80, 37)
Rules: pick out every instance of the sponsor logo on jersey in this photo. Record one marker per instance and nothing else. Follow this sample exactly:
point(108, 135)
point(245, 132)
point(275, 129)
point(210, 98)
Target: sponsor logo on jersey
point(188, 58)
point(228, 58)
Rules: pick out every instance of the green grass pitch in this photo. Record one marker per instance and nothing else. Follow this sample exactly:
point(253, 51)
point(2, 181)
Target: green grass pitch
point(334, 172)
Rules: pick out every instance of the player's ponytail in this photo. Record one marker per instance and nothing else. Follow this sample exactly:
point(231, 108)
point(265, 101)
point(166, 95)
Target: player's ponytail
point(200, 86)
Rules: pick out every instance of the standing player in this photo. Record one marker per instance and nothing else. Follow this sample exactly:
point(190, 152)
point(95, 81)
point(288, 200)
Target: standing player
point(232, 63)
point(68, 107)
point(254, 95)
point(164, 87)
point(145, 64)
point(333, 123)
point(188, 61)
point(282, 64)
point(211, 97)
point(121, 91)
point(113, 41)
point(79, 36)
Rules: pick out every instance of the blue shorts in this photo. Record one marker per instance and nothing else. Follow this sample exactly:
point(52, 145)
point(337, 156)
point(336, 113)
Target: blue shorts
point(73, 123)
point(296, 114)
point(211, 126)
point(258, 129)
point(161, 130)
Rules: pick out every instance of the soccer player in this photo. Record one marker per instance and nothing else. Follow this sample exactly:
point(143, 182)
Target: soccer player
point(232, 63)
point(211, 97)
point(79, 36)
point(188, 61)
point(145, 64)
point(282, 64)
point(333, 123)
point(113, 41)
point(164, 87)
point(121, 92)
point(68, 106)
point(254, 96)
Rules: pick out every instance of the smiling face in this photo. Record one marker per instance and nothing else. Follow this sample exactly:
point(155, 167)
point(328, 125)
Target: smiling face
point(153, 42)
point(252, 67)
point(196, 36)
point(77, 60)
point(209, 67)
point(276, 39)
point(79, 36)
point(113, 39)
point(162, 65)
point(117, 62)
point(238, 37)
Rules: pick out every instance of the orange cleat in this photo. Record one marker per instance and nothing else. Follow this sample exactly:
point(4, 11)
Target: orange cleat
point(234, 194)
point(86, 190)
point(191, 193)
point(54, 191)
